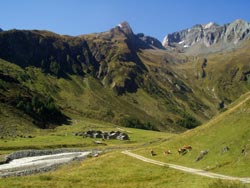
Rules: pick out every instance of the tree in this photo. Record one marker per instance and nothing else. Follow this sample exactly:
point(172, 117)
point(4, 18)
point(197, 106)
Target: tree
point(55, 67)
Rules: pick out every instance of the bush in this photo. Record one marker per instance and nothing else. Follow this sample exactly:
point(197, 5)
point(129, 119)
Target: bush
point(188, 122)
point(41, 109)
point(136, 123)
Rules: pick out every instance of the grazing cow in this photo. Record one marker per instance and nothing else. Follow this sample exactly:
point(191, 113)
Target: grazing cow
point(167, 152)
point(152, 153)
point(182, 151)
point(187, 147)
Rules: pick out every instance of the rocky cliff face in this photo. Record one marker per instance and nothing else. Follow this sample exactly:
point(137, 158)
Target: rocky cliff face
point(201, 37)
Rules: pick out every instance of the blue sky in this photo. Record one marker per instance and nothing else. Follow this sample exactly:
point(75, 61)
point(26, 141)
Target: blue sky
point(152, 17)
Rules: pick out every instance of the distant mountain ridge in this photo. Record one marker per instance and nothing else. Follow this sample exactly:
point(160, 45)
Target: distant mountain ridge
point(200, 38)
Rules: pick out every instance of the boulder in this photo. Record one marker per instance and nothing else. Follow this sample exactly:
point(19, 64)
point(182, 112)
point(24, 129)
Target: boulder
point(106, 135)
point(225, 149)
point(123, 136)
point(201, 155)
point(97, 135)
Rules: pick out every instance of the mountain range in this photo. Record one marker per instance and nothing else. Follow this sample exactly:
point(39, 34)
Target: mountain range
point(211, 37)
point(47, 79)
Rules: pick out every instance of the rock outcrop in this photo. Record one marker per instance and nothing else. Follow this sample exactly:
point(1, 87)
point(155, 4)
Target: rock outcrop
point(139, 41)
point(125, 27)
point(104, 135)
point(200, 37)
point(149, 42)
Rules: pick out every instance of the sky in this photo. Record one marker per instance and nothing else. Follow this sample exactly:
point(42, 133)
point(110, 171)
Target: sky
point(151, 17)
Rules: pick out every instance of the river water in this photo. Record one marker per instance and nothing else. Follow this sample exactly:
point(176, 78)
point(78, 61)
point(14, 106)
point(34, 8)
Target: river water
point(27, 165)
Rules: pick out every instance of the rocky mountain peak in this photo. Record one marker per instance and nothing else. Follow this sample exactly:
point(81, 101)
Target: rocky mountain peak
point(125, 27)
point(138, 41)
point(204, 36)
point(209, 25)
point(237, 31)
point(1, 30)
point(239, 22)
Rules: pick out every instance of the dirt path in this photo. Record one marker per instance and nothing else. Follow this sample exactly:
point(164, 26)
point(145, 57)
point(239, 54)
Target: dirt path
point(187, 169)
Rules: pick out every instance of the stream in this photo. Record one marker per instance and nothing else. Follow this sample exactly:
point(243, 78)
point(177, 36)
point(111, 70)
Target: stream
point(36, 164)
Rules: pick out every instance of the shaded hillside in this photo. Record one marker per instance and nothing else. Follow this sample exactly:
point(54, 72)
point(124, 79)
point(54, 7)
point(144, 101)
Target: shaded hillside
point(40, 107)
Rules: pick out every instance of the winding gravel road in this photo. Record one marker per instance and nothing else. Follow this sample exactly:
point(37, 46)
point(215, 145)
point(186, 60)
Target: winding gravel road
point(187, 169)
point(29, 165)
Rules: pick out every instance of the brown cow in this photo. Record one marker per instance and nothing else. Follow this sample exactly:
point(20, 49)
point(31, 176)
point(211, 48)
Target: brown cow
point(182, 151)
point(187, 147)
point(167, 152)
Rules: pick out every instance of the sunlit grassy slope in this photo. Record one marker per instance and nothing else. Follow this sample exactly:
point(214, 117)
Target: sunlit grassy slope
point(114, 170)
point(229, 129)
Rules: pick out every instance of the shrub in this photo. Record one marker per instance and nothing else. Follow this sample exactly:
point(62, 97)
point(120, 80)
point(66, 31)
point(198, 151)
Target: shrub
point(188, 122)
point(136, 123)
point(41, 109)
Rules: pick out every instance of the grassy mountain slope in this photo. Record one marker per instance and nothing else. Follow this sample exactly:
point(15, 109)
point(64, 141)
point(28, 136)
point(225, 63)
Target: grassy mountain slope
point(99, 76)
point(115, 76)
point(79, 96)
point(220, 77)
point(213, 80)
point(229, 129)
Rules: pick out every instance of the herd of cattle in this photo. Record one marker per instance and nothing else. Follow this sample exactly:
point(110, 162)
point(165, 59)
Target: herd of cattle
point(181, 151)
point(186, 148)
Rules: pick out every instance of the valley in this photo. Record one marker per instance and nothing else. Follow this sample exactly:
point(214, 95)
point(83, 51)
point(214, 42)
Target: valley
point(229, 128)
point(54, 88)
